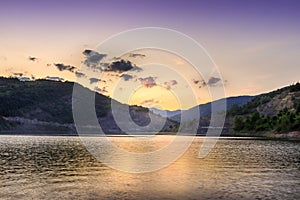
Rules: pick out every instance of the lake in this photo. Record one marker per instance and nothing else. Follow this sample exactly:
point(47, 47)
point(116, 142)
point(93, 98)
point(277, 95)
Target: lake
point(46, 167)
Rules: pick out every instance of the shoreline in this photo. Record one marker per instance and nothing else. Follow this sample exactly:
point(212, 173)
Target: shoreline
point(294, 136)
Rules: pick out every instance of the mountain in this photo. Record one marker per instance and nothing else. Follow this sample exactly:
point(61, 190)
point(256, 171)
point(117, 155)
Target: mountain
point(274, 114)
point(205, 109)
point(45, 106)
point(271, 114)
point(165, 113)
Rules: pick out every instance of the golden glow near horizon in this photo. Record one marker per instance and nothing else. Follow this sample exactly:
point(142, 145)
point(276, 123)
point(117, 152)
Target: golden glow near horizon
point(174, 78)
point(165, 81)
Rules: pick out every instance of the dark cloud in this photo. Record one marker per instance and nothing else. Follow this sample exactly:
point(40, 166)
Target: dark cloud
point(63, 67)
point(148, 82)
point(126, 77)
point(79, 74)
point(213, 81)
point(93, 59)
point(94, 80)
point(196, 81)
point(200, 83)
point(18, 74)
point(135, 55)
point(87, 52)
point(103, 90)
point(32, 58)
point(120, 66)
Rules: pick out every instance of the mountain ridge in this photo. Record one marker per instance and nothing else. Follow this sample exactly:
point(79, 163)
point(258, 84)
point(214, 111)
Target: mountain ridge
point(44, 106)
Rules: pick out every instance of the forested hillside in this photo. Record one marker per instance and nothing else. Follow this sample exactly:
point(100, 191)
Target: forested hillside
point(277, 111)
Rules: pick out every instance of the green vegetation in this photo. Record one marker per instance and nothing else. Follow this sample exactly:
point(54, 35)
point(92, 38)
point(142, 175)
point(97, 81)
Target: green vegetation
point(248, 119)
point(285, 121)
point(27, 104)
point(42, 100)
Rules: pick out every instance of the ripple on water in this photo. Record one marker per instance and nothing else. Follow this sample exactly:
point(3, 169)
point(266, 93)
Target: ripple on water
point(61, 168)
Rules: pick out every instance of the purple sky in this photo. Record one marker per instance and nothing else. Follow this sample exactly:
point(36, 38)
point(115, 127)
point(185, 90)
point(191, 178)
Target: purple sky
point(256, 44)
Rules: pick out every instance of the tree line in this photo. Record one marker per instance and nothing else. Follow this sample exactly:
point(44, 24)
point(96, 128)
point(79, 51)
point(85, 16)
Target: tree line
point(284, 121)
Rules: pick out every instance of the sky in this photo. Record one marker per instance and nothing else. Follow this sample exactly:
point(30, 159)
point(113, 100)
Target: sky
point(255, 45)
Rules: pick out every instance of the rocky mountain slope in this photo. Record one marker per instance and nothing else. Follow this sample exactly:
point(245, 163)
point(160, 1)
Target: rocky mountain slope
point(276, 112)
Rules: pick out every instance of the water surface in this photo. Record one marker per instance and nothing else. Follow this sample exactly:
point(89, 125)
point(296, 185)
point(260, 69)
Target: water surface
point(41, 167)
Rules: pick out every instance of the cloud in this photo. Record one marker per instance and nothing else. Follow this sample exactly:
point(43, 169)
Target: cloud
point(18, 74)
point(135, 55)
point(196, 81)
point(149, 102)
point(87, 52)
point(63, 67)
point(120, 66)
point(79, 74)
point(105, 65)
point(148, 82)
point(200, 83)
point(32, 58)
point(137, 69)
point(94, 80)
point(170, 83)
point(213, 81)
point(126, 77)
point(103, 90)
point(93, 59)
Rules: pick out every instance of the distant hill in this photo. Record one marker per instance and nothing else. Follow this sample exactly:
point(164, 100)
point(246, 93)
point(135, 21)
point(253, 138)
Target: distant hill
point(46, 106)
point(166, 113)
point(205, 109)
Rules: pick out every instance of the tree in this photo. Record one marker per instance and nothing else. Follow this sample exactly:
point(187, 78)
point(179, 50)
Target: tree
point(284, 123)
point(238, 124)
